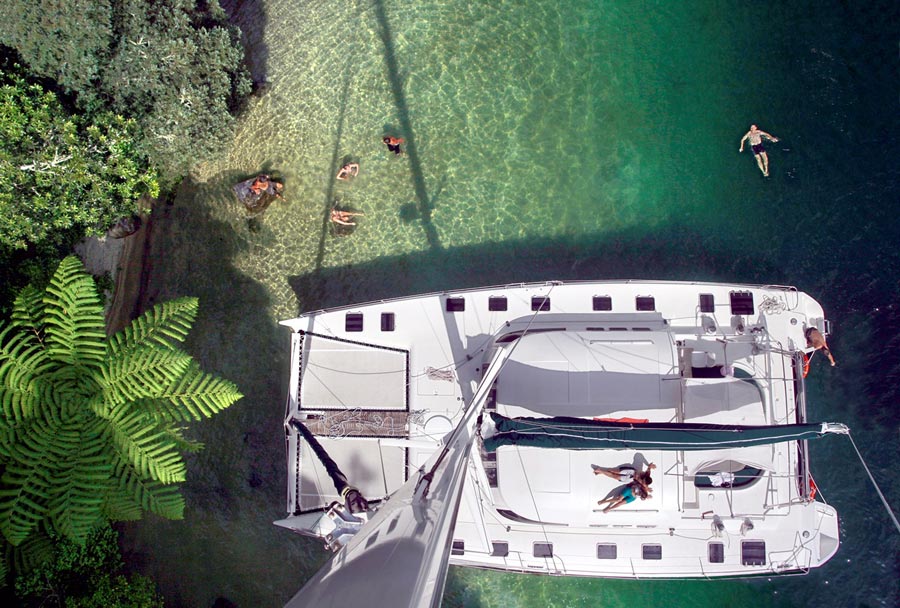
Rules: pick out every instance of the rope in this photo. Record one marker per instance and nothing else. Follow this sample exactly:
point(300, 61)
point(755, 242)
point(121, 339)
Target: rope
point(877, 489)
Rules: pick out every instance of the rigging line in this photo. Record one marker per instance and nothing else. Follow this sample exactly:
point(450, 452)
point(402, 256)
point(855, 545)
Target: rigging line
point(503, 363)
point(877, 489)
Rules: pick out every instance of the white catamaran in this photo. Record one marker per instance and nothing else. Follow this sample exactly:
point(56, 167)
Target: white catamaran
point(475, 428)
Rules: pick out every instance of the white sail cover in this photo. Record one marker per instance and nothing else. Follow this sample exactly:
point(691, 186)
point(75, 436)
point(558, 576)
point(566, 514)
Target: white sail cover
point(400, 557)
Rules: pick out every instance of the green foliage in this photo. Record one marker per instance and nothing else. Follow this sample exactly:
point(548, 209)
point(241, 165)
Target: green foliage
point(67, 42)
point(59, 171)
point(88, 426)
point(175, 66)
point(86, 576)
point(178, 72)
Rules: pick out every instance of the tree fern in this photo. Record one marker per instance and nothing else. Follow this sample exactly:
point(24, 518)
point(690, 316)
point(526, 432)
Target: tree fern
point(88, 426)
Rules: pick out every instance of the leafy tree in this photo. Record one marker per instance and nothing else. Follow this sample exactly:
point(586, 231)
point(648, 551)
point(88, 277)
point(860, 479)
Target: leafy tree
point(59, 171)
point(178, 72)
point(90, 425)
point(88, 575)
point(175, 66)
point(67, 42)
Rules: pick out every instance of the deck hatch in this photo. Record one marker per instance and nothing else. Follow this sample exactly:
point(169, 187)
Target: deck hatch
point(716, 553)
point(651, 551)
point(456, 304)
point(353, 321)
point(459, 547)
point(543, 549)
point(540, 303)
point(707, 302)
point(753, 552)
point(741, 302)
point(602, 303)
point(645, 303)
point(387, 321)
point(607, 551)
point(497, 303)
point(499, 548)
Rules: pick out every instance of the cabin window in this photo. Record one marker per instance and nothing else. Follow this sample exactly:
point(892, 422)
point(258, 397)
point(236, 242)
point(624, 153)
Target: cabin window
point(499, 549)
point(543, 549)
point(651, 551)
point(353, 321)
point(459, 547)
point(456, 304)
point(540, 303)
point(387, 321)
point(741, 303)
point(645, 303)
point(753, 552)
point(497, 303)
point(606, 551)
point(716, 553)
point(707, 302)
point(602, 303)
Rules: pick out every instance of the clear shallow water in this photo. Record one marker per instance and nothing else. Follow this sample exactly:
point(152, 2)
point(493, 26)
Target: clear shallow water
point(545, 140)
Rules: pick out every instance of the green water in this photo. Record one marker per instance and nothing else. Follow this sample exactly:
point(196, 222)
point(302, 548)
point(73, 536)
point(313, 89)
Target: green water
point(545, 140)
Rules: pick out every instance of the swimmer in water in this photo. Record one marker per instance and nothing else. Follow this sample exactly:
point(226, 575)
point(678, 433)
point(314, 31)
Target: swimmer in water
point(344, 218)
point(755, 136)
point(347, 171)
point(393, 144)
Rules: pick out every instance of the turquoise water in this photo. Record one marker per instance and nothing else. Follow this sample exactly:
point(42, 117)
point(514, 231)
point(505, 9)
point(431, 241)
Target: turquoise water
point(545, 140)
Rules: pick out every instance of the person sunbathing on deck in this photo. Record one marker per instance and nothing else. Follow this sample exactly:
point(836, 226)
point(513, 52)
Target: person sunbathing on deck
point(624, 496)
point(628, 474)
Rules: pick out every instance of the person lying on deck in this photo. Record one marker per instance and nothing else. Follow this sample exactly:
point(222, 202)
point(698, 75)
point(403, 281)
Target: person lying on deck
point(624, 496)
point(628, 474)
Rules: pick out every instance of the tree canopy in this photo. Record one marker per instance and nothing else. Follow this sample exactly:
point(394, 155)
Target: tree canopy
point(91, 426)
point(175, 66)
point(59, 171)
point(89, 575)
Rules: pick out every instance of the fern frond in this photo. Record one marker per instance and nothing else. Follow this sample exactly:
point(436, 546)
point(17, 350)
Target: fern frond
point(164, 500)
point(200, 394)
point(36, 465)
point(33, 552)
point(28, 310)
point(23, 500)
point(146, 372)
point(75, 508)
point(165, 325)
point(22, 362)
point(148, 448)
point(73, 316)
point(119, 506)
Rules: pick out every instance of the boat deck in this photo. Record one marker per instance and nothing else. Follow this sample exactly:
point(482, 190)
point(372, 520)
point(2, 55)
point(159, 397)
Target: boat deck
point(367, 376)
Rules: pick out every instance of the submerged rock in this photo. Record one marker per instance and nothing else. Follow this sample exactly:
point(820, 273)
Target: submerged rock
point(126, 226)
point(257, 193)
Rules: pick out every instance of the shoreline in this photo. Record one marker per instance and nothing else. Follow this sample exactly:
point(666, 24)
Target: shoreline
point(126, 261)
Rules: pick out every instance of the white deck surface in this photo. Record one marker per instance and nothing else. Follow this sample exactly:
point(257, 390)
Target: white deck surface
point(345, 375)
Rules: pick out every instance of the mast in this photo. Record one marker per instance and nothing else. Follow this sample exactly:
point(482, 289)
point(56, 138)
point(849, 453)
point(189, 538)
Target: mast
point(400, 557)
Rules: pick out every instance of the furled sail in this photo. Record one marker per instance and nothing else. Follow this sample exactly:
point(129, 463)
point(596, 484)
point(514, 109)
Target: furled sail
point(582, 434)
point(400, 557)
